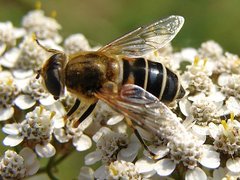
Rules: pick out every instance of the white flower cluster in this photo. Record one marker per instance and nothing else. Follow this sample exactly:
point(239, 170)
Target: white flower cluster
point(199, 138)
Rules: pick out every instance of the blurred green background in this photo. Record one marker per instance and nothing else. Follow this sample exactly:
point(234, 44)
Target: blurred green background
point(104, 20)
point(101, 21)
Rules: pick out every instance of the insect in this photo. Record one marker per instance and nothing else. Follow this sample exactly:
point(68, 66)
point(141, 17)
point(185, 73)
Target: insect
point(117, 73)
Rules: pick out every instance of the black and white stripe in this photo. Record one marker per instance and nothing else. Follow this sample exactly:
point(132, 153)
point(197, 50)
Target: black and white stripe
point(154, 77)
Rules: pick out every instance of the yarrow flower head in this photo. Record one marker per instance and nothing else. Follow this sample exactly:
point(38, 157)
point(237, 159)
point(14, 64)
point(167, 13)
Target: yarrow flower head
point(36, 130)
point(18, 166)
point(115, 170)
point(210, 49)
point(9, 35)
point(227, 140)
point(112, 146)
point(230, 85)
point(30, 58)
point(32, 91)
point(69, 132)
point(76, 43)
point(44, 27)
point(8, 93)
point(196, 79)
point(202, 109)
point(122, 170)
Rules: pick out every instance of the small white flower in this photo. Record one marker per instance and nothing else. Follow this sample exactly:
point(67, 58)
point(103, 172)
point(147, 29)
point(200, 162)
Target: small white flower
point(232, 65)
point(86, 173)
point(18, 166)
point(76, 43)
point(44, 27)
point(112, 146)
point(186, 55)
point(36, 129)
point(8, 36)
point(210, 49)
point(115, 170)
point(106, 115)
point(30, 58)
point(196, 79)
point(201, 110)
point(69, 132)
point(123, 170)
point(32, 92)
point(8, 93)
point(227, 139)
point(230, 85)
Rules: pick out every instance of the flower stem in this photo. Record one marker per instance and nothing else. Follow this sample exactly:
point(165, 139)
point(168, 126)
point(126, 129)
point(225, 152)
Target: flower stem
point(49, 167)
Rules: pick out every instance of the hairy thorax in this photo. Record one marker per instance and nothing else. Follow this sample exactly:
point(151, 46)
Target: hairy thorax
point(87, 73)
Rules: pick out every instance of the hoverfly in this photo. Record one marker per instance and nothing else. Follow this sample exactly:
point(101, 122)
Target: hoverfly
point(118, 74)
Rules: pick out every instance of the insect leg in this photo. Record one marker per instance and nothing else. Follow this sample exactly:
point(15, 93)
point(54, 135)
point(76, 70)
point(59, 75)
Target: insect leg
point(129, 122)
point(87, 112)
point(72, 109)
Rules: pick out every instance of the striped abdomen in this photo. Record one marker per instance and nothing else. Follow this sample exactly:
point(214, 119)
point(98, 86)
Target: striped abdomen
point(153, 77)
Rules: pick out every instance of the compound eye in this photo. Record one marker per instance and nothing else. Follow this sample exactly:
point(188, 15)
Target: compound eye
point(53, 76)
point(53, 82)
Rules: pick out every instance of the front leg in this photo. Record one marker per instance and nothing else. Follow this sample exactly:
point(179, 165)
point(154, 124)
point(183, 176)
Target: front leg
point(72, 109)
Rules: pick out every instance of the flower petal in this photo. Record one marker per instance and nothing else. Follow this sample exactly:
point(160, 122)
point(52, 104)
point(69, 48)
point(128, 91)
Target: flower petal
point(200, 130)
point(100, 133)
point(46, 151)
point(24, 102)
point(128, 158)
point(115, 120)
point(33, 169)
point(47, 101)
point(19, 32)
point(30, 160)
point(22, 74)
point(28, 155)
point(100, 173)
point(2, 48)
point(12, 140)
point(223, 79)
point(11, 129)
point(145, 165)
point(233, 165)
point(165, 167)
point(233, 105)
point(6, 113)
point(9, 59)
point(185, 105)
point(82, 143)
point(219, 173)
point(213, 130)
point(195, 174)
point(86, 173)
point(159, 151)
point(61, 135)
point(58, 123)
point(132, 148)
point(93, 157)
point(209, 158)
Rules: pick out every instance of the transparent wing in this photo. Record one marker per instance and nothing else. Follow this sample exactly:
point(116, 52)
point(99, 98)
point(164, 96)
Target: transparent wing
point(146, 39)
point(140, 106)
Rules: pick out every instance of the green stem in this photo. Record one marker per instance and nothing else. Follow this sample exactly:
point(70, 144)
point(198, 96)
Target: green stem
point(59, 160)
point(53, 162)
point(49, 167)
